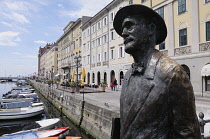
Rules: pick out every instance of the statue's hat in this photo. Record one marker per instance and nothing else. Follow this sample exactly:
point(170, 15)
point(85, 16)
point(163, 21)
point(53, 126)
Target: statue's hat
point(137, 9)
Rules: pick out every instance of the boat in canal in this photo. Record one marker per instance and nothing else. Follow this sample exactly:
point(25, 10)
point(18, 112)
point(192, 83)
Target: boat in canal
point(19, 113)
point(30, 126)
point(37, 134)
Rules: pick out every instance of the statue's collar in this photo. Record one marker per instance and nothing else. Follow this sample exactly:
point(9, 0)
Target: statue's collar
point(151, 65)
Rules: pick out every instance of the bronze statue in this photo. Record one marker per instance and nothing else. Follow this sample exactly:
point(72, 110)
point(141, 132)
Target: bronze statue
point(157, 99)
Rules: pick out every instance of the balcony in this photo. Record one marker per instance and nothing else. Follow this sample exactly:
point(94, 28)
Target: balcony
point(93, 65)
point(204, 46)
point(105, 63)
point(98, 63)
point(164, 52)
point(182, 50)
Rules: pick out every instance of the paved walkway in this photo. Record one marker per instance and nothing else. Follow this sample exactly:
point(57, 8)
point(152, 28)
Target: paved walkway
point(111, 99)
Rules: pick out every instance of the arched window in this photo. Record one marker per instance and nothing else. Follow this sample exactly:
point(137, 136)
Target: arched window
point(105, 77)
point(99, 78)
point(112, 76)
point(88, 81)
point(121, 77)
point(93, 78)
point(187, 70)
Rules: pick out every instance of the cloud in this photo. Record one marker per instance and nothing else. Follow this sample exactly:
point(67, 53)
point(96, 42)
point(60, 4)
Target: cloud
point(30, 56)
point(60, 5)
point(86, 8)
point(41, 2)
point(16, 53)
point(8, 38)
point(17, 17)
point(17, 6)
point(18, 39)
point(42, 42)
point(7, 24)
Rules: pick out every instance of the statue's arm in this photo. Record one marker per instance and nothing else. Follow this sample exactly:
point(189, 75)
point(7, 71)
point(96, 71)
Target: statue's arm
point(183, 117)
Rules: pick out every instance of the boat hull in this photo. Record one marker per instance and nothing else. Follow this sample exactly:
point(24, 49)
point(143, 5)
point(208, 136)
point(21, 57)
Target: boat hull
point(20, 112)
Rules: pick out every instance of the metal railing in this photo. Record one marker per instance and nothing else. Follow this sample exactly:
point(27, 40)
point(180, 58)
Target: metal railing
point(202, 123)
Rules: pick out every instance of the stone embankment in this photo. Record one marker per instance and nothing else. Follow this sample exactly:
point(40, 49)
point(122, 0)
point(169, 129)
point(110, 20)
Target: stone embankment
point(89, 111)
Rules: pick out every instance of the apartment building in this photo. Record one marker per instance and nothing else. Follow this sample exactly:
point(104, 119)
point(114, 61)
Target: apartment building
point(103, 55)
point(51, 62)
point(47, 57)
point(188, 36)
point(187, 42)
point(69, 48)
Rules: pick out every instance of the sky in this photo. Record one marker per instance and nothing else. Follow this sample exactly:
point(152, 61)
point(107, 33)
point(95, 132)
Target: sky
point(25, 25)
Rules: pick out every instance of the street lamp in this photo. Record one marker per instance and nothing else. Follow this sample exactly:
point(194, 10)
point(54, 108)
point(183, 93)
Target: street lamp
point(77, 60)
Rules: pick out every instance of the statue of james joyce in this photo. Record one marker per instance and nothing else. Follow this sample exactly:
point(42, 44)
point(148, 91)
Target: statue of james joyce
point(157, 99)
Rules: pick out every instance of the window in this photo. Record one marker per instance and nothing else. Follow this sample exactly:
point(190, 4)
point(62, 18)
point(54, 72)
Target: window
point(112, 35)
point(88, 32)
point(99, 41)
point(93, 78)
point(88, 59)
point(105, 59)
point(130, 1)
point(143, 1)
point(112, 17)
point(183, 37)
point(93, 28)
point(99, 25)
point(121, 52)
point(181, 6)
point(99, 57)
point(105, 39)
point(105, 21)
point(208, 31)
point(207, 1)
point(112, 54)
point(161, 12)
point(162, 46)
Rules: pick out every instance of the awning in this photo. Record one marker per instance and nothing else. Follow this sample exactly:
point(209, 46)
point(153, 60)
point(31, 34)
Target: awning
point(57, 74)
point(205, 70)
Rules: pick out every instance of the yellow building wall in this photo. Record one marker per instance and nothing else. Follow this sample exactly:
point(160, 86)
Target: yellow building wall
point(156, 2)
point(203, 17)
point(181, 21)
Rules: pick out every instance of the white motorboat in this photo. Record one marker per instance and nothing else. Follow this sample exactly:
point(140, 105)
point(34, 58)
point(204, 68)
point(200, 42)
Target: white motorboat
point(4, 100)
point(31, 126)
point(18, 113)
point(38, 134)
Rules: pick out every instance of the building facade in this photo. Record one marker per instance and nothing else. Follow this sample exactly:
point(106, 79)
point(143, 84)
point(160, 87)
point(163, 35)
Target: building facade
point(187, 42)
point(103, 55)
point(69, 48)
point(47, 57)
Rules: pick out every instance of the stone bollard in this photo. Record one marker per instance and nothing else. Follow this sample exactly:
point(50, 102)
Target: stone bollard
point(202, 123)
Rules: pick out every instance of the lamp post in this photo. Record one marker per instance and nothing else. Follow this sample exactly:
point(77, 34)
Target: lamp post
point(52, 77)
point(78, 59)
point(69, 71)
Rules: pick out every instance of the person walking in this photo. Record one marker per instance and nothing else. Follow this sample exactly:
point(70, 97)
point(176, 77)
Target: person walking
point(115, 84)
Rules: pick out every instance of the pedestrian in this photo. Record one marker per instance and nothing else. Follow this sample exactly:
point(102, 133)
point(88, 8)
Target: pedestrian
point(115, 84)
point(112, 86)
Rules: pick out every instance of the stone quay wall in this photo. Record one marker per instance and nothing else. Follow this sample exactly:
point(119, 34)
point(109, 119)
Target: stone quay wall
point(92, 118)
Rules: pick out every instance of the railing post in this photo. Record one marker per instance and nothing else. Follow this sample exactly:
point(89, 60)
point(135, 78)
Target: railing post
point(202, 123)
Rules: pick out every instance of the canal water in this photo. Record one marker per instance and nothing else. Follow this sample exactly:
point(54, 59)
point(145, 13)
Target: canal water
point(50, 112)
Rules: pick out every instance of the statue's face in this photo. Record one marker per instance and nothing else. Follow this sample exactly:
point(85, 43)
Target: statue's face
point(135, 34)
